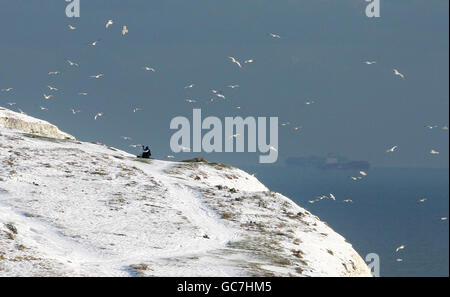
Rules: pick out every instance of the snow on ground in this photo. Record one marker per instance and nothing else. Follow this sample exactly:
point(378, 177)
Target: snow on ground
point(83, 209)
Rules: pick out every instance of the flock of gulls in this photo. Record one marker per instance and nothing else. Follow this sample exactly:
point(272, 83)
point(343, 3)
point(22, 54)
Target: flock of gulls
point(217, 94)
point(52, 90)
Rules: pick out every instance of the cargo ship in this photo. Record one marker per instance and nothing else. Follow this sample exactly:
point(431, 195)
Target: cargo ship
point(331, 162)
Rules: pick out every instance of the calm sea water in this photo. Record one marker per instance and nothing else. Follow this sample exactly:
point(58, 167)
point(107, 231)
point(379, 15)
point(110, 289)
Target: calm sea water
point(385, 213)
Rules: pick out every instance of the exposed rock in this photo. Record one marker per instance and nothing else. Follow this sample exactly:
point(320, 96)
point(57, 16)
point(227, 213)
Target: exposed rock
point(21, 122)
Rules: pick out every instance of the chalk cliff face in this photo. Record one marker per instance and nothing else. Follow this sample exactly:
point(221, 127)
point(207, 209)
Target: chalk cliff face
point(70, 208)
point(27, 124)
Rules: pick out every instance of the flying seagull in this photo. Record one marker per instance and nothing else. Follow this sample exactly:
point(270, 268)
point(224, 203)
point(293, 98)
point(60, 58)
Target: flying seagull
point(323, 197)
point(233, 86)
point(274, 35)
point(396, 72)
point(272, 148)
point(109, 23)
point(423, 200)
point(363, 173)
point(100, 114)
point(94, 43)
point(75, 111)
point(184, 148)
point(137, 109)
point(54, 73)
point(392, 149)
point(43, 108)
point(52, 88)
point(72, 63)
point(7, 90)
point(97, 76)
point(431, 127)
point(72, 27)
point(190, 100)
point(46, 97)
point(124, 30)
point(235, 61)
point(189, 86)
point(125, 137)
point(249, 61)
point(83, 94)
point(400, 248)
point(434, 152)
point(146, 68)
point(370, 62)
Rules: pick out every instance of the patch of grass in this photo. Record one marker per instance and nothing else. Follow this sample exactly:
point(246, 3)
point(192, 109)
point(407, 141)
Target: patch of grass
point(45, 138)
point(219, 166)
point(220, 187)
point(21, 247)
point(195, 160)
point(298, 253)
point(9, 235)
point(139, 269)
point(99, 172)
point(11, 227)
point(142, 160)
point(282, 261)
point(10, 162)
point(227, 216)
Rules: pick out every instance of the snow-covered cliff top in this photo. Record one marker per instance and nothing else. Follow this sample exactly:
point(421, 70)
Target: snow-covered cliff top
point(72, 208)
point(27, 124)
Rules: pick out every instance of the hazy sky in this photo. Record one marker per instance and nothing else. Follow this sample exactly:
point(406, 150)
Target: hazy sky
point(359, 110)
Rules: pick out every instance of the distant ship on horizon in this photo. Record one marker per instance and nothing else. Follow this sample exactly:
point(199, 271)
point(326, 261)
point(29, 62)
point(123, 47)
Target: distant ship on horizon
point(331, 162)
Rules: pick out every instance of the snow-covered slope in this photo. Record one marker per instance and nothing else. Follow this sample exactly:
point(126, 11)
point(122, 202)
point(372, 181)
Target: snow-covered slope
point(70, 208)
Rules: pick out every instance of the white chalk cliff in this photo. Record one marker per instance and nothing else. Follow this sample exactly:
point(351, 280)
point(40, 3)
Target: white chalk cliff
point(71, 208)
point(27, 124)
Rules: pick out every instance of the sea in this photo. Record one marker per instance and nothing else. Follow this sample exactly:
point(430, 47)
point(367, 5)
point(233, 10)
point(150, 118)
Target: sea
point(385, 213)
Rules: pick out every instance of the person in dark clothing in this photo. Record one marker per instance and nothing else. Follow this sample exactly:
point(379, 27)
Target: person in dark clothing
point(146, 153)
